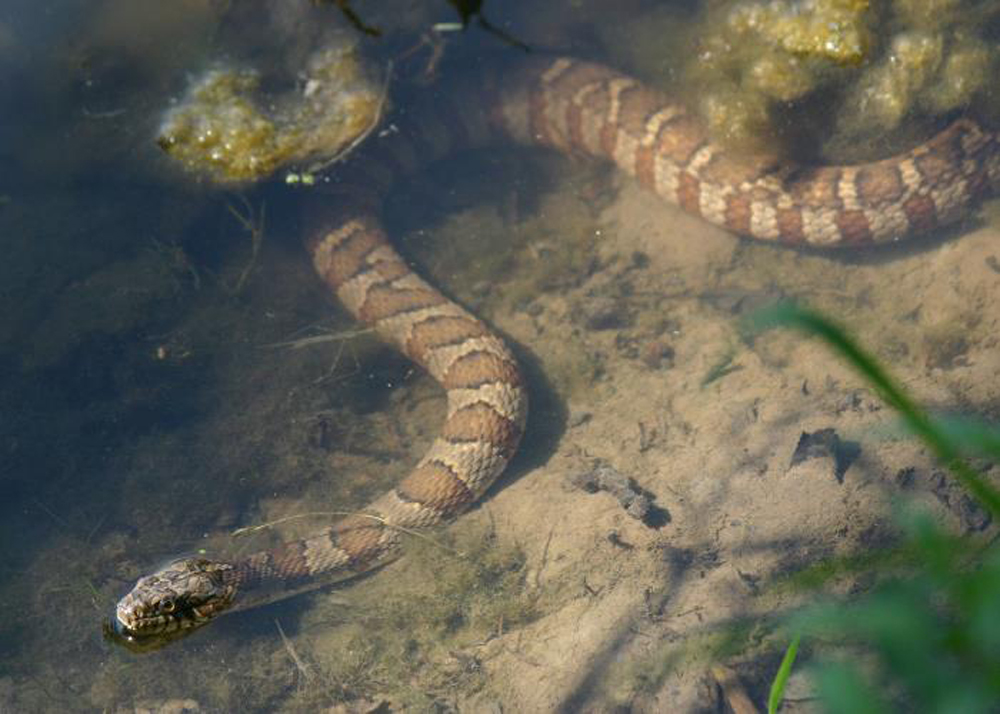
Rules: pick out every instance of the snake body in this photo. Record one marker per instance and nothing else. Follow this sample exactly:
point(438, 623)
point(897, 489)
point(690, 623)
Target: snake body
point(577, 108)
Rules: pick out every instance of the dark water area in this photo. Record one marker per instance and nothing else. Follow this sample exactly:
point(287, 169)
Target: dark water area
point(171, 370)
point(138, 310)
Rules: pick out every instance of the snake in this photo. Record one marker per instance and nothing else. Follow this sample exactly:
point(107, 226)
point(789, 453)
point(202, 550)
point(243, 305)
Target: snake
point(578, 108)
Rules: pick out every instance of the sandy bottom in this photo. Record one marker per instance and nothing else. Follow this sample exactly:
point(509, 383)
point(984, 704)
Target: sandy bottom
point(546, 597)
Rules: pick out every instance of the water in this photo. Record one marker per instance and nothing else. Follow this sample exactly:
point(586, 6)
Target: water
point(151, 403)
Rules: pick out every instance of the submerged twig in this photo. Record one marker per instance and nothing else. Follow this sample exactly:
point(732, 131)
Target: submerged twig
point(352, 17)
point(301, 342)
point(304, 669)
point(254, 225)
point(733, 691)
point(246, 530)
point(47, 511)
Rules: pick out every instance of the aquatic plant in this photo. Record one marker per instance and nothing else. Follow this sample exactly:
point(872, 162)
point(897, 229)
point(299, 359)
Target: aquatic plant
point(930, 629)
point(881, 63)
point(222, 131)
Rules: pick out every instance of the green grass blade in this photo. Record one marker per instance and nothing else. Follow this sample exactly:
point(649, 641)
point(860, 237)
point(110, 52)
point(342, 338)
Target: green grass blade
point(973, 437)
point(781, 678)
point(843, 690)
point(812, 323)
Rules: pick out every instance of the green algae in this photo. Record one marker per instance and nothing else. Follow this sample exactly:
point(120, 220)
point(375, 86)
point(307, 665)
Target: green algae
point(229, 131)
point(834, 30)
point(885, 93)
point(908, 59)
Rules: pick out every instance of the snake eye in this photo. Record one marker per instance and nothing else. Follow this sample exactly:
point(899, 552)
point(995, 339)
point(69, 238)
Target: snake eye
point(168, 605)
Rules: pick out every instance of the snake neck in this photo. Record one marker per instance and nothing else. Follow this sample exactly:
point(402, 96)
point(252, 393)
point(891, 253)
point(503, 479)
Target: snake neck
point(353, 546)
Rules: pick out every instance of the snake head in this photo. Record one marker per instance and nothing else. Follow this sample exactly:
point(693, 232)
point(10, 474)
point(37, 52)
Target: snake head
point(183, 595)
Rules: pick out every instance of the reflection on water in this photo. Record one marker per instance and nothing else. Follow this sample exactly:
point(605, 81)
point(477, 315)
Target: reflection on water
point(171, 370)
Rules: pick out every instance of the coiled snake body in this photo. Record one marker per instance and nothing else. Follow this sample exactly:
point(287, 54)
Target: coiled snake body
point(579, 108)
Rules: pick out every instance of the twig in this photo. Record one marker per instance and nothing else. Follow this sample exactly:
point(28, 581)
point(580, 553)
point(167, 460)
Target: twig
point(319, 339)
point(255, 226)
point(435, 40)
point(96, 528)
point(543, 561)
point(341, 346)
point(354, 18)
point(61, 521)
point(246, 530)
point(95, 597)
point(732, 690)
point(304, 669)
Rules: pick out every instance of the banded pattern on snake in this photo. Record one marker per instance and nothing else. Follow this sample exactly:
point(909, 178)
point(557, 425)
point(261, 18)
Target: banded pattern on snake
point(575, 107)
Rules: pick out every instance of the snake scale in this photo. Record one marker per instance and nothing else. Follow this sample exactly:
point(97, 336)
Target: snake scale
point(577, 108)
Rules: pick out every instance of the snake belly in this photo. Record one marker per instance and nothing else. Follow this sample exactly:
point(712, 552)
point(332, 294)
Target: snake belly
point(577, 108)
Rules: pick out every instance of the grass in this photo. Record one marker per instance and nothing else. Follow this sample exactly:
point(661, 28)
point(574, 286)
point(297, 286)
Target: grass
point(781, 678)
point(928, 634)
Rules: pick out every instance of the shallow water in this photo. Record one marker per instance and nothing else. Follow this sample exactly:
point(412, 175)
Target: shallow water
point(152, 402)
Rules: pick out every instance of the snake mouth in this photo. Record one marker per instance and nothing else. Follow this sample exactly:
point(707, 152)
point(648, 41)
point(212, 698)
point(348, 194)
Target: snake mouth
point(141, 620)
point(131, 618)
point(136, 640)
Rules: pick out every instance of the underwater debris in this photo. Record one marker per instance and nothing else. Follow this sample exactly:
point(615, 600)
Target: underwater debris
point(604, 477)
point(826, 443)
